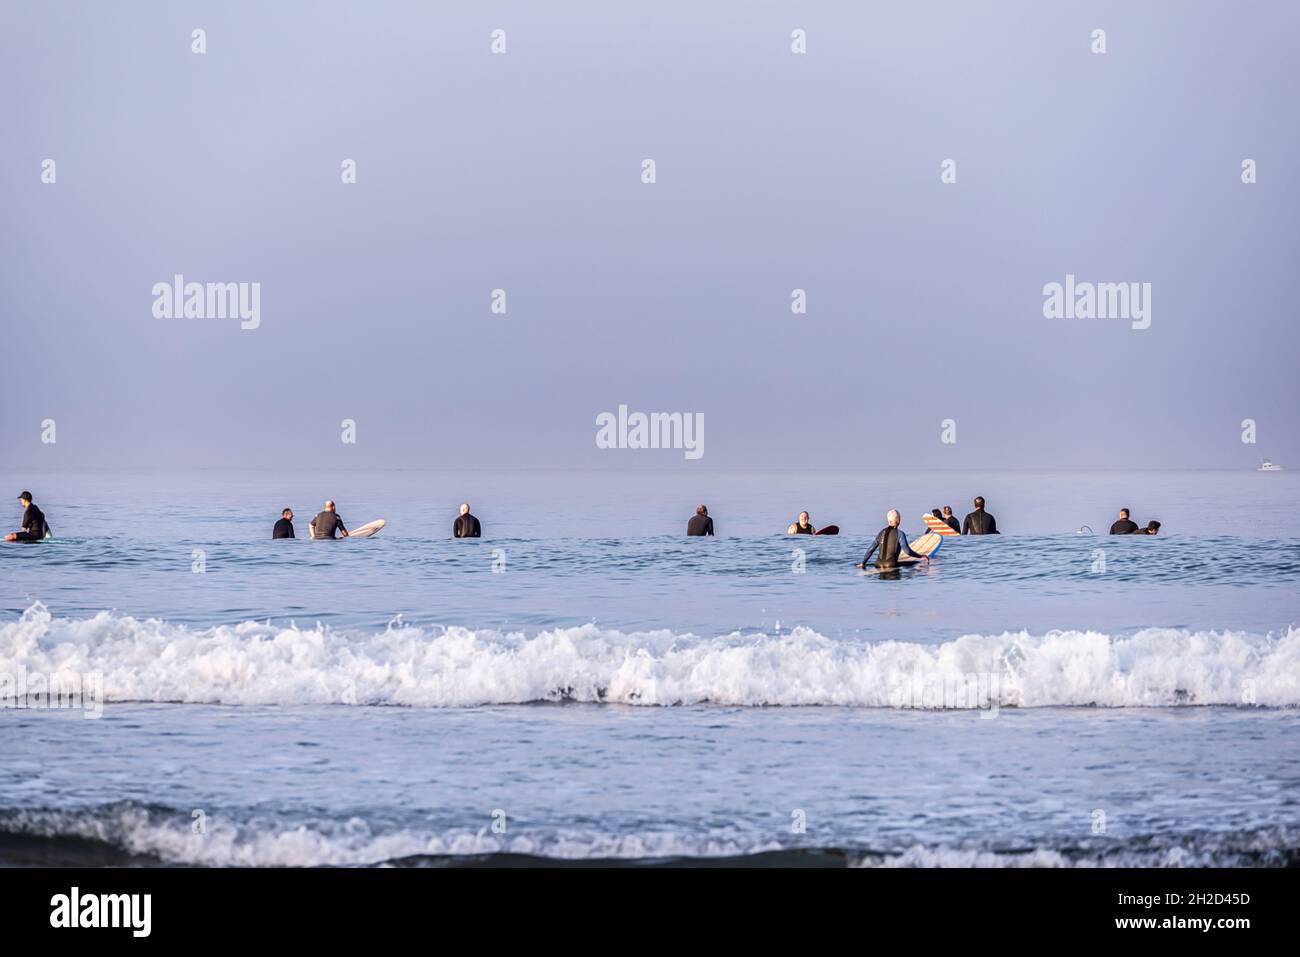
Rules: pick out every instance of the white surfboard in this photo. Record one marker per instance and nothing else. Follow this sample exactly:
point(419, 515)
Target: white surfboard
point(926, 545)
point(365, 531)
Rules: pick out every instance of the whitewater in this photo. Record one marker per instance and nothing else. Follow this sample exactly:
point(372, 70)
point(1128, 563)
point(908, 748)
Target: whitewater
point(252, 663)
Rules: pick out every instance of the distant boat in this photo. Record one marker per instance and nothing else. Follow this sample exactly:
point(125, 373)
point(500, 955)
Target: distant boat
point(1269, 467)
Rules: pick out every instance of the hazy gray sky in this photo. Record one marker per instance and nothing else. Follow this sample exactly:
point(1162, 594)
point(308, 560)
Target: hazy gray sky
point(775, 171)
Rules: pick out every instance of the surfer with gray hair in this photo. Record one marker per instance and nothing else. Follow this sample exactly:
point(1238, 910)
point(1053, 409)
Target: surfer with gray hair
point(891, 541)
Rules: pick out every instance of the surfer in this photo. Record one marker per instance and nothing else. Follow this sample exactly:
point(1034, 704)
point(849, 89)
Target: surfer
point(327, 522)
point(284, 527)
point(466, 525)
point(802, 527)
point(1153, 528)
point(890, 542)
point(700, 523)
point(34, 527)
point(950, 519)
point(979, 522)
point(1125, 525)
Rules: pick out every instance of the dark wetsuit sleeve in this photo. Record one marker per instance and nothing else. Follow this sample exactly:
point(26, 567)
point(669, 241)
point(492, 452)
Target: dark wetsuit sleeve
point(709, 529)
point(966, 526)
point(455, 527)
point(339, 522)
point(872, 550)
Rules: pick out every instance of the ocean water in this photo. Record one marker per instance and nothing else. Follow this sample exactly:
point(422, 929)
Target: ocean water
point(585, 683)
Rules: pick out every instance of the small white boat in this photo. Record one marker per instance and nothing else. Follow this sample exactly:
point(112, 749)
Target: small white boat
point(1269, 467)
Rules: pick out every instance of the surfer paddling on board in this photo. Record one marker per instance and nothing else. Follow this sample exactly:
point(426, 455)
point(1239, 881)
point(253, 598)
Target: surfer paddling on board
point(700, 523)
point(34, 527)
point(466, 525)
point(891, 541)
point(327, 522)
point(802, 527)
point(979, 522)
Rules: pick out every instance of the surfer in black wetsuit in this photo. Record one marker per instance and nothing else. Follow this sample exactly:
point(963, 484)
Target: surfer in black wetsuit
point(1153, 528)
point(1125, 525)
point(979, 522)
point(466, 525)
point(284, 527)
point(951, 520)
point(34, 527)
point(802, 527)
point(327, 522)
point(700, 523)
point(891, 541)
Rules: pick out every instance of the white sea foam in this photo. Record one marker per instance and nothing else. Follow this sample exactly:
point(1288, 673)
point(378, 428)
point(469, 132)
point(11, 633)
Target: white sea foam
point(171, 839)
point(258, 663)
point(168, 837)
point(1275, 847)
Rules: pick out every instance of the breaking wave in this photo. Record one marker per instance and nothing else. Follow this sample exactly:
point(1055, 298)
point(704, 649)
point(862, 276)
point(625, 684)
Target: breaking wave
point(254, 663)
point(133, 835)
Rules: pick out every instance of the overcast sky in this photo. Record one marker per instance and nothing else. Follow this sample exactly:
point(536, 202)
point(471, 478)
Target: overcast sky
point(775, 171)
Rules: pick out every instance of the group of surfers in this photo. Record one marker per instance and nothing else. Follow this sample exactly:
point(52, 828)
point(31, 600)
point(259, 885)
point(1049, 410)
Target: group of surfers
point(328, 524)
point(889, 545)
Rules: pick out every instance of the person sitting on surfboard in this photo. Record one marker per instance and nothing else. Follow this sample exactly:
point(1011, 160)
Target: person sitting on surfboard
point(951, 519)
point(1125, 525)
point(34, 527)
point(802, 527)
point(284, 527)
point(890, 542)
point(979, 522)
point(700, 523)
point(466, 525)
point(325, 523)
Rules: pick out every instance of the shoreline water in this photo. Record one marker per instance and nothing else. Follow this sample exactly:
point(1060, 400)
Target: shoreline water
point(313, 786)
